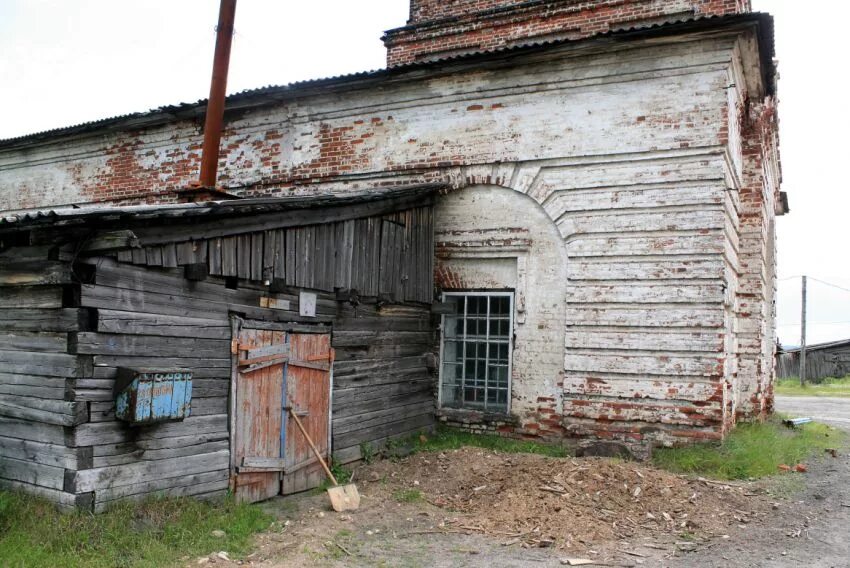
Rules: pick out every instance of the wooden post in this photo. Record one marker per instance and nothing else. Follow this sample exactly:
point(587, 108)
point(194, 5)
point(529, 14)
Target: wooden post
point(803, 338)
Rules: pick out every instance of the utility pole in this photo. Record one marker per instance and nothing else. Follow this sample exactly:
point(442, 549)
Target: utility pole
point(803, 338)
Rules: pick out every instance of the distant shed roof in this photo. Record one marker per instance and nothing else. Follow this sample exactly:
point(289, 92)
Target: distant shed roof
point(819, 346)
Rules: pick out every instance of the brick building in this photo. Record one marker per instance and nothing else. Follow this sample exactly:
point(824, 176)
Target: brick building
point(605, 245)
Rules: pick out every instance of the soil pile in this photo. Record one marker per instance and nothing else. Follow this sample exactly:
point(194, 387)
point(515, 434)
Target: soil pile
point(567, 501)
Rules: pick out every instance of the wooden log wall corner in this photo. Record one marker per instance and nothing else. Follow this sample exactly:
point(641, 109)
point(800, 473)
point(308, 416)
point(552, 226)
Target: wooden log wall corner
point(168, 305)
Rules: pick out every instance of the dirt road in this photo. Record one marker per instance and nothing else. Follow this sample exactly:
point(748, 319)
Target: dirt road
point(398, 525)
point(810, 528)
point(823, 409)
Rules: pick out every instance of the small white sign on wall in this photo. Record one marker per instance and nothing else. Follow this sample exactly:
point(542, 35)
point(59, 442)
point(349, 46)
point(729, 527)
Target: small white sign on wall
point(307, 304)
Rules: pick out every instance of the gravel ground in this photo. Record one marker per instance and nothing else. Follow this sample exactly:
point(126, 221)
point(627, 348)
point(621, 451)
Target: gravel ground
point(811, 527)
point(804, 520)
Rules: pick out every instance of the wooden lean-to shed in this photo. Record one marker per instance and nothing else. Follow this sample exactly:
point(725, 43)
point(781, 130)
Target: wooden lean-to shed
point(160, 349)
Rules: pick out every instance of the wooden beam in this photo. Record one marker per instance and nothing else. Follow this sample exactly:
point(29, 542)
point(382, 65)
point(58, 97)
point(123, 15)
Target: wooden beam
point(35, 273)
point(108, 241)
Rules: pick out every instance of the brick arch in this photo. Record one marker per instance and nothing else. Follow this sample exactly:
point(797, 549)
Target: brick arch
point(479, 223)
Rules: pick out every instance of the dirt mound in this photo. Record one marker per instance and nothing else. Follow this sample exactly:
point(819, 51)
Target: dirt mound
point(567, 501)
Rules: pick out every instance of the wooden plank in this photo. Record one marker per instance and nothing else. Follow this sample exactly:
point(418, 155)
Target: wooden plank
point(345, 254)
point(108, 241)
point(57, 412)
point(46, 454)
point(96, 433)
point(257, 257)
point(139, 256)
point(51, 388)
point(134, 323)
point(35, 273)
point(214, 257)
point(228, 257)
point(243, 256)
point(169, 255)
point(153, 255)
point(38, 319)
point(413, 422)
point(32, 473)
point(334, 212)
point(274, 303)
point(377, 418)
point(280, 255)
point(262, 463)
point(291, 243)
point(35, 431)
point(270, 244)
point(168, 486)
point(129, 474)
point(145, 346)
point(48, 364)
point(44, 341)
point(136, 454)
point(31, 297)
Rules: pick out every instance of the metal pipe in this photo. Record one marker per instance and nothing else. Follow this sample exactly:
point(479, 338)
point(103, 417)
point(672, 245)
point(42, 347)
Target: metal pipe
point(218, 88)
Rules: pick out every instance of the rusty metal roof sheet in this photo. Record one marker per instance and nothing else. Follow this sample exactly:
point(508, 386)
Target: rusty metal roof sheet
point(271, 93)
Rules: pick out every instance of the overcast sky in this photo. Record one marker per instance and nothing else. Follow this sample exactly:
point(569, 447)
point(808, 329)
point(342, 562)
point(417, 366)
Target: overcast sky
point(64, 62)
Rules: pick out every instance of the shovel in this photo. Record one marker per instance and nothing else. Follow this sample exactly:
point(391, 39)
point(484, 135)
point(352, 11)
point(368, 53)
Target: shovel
point(343, 497)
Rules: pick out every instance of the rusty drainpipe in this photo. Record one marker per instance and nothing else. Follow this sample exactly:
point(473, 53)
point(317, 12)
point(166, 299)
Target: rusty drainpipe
point(218, 88)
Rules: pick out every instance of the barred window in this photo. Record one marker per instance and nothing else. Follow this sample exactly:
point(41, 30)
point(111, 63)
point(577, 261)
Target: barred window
point(475, 367)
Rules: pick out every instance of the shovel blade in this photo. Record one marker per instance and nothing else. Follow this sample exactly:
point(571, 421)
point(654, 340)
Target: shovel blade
point(344, 497)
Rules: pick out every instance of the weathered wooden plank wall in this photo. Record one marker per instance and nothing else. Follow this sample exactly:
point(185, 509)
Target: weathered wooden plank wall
point(820, 363)
point(60, 353)
point(386, 255)
point(36, 419)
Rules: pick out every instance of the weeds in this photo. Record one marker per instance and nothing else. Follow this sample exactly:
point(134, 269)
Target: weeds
point(156, 532)
point(446, 438)
point(341, 474)
point(408, 496)
point(750, 451)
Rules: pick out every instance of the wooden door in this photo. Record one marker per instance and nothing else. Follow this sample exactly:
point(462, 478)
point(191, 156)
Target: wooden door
point(273, 369)
point(308, 389)
point(260, 359)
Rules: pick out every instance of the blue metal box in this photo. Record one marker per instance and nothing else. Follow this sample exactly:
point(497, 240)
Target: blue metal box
point(147, 396)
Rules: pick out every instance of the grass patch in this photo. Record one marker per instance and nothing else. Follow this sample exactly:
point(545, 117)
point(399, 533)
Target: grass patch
point(446, 438)
point(408, 496)
point(750, 451)
point(156, 532)
point(342, 475)
point(828, 387)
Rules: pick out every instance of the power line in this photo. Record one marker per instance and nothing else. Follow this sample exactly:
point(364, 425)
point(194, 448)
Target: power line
point(830, 284)
point(813, 323)
point(816, 280)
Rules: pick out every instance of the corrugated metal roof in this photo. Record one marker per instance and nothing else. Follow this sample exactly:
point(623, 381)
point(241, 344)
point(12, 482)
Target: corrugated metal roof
point(67, 216)
point(263, 95)
point(818, 346)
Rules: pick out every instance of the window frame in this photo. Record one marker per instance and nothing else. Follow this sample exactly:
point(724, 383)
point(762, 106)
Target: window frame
point(510, 294)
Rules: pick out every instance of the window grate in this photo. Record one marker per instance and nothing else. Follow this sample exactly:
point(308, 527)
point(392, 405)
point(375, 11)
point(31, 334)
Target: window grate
point(475, 366)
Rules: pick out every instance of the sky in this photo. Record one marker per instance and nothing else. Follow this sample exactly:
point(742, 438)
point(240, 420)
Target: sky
point(63, 62)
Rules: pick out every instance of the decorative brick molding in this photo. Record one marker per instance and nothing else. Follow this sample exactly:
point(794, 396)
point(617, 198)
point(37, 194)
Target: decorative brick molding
point(439, 28)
